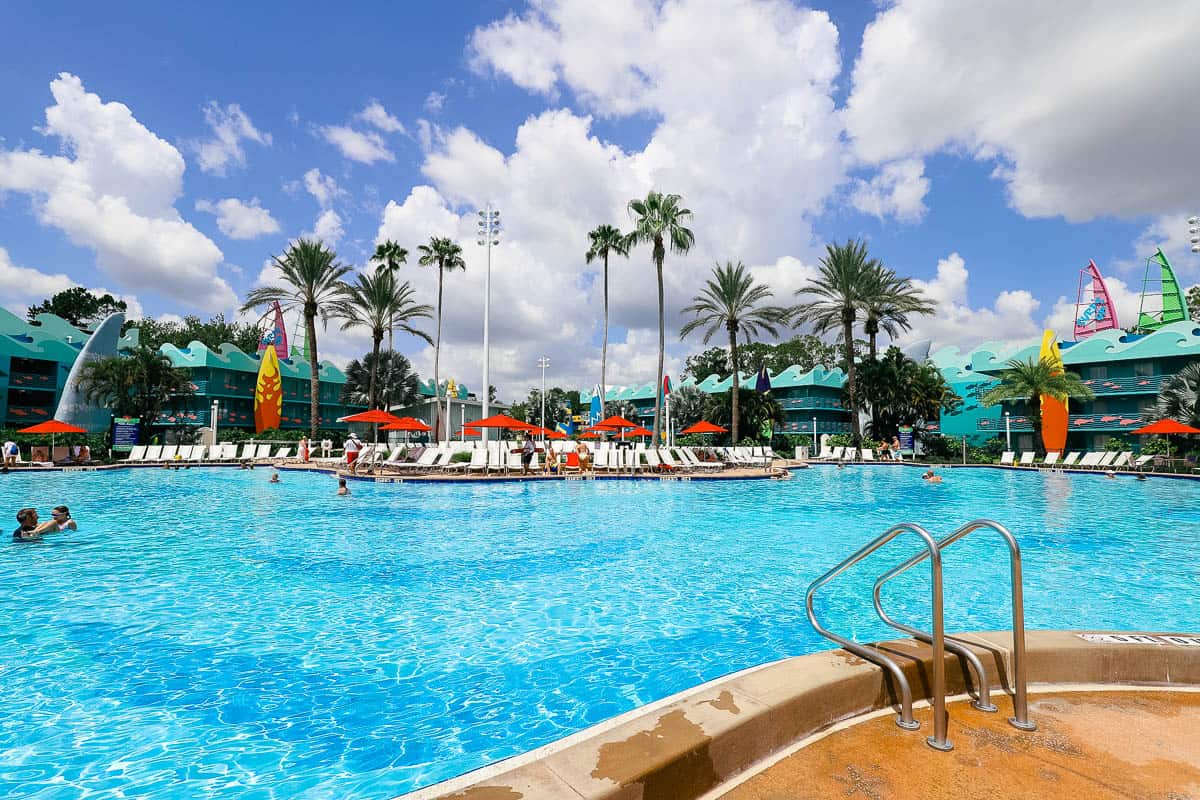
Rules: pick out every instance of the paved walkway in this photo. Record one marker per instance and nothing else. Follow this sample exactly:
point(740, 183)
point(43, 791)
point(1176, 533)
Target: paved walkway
point(1141, 745)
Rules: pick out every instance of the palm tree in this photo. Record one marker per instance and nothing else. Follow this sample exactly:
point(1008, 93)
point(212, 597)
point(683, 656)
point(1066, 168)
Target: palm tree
point(377, 302)
point(1179, 397)
point(1029, 380)
point(605, 239)
point(396, 384)
point(141, 384)
point(888, 304)
point(687, 405)
point(446, 255)
point(312, 280)
point(388, 257)
point(659, 220)
point(730, 300)
point(845, 278)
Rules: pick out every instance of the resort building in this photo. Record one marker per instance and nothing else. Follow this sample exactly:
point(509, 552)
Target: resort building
point(1125, 371)
point(36, 357)
point(808, 398)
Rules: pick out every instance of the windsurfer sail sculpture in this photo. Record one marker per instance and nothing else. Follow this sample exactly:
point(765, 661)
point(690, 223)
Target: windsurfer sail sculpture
point(1094, 310)
point(1162, 300)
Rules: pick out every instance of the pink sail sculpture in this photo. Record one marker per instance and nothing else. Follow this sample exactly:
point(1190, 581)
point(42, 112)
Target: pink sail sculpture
point(1094, 310)
point(277, 336)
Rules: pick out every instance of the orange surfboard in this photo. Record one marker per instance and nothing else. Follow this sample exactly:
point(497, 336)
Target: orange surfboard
point(268, 393)
point(1054, 407)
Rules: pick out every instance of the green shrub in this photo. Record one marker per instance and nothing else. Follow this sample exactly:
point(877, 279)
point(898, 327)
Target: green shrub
point(1157, 446)
point(841, 440)
point(460, 458)
point(1116, 444)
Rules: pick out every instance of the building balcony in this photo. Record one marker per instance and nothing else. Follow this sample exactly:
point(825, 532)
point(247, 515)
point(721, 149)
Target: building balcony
point(823, 426)
point(1075, 422)
point(1141, 384)
point(817, 403)
point(33, 380)
point(30, 415)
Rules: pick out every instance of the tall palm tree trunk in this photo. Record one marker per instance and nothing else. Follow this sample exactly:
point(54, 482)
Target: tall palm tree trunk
point(437, 345)
point(662, 346)
point(604, 345)
point(373, 382)
point(314, 379)
point(851, 387)
point(737, 379)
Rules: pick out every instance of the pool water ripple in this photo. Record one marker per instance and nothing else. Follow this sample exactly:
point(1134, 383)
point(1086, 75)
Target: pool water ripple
point(206, 634)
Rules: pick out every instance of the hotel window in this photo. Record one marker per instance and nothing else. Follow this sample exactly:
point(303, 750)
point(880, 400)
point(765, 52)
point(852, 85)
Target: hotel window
point(1099, 407)
point(1098, 372)
point(1143, 369)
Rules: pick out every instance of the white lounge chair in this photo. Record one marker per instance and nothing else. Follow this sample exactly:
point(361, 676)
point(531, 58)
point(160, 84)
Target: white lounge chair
point(1051, 459)
point(1122, 460)
point(229, 452)
point(478, 462)
point(137, 453)
point(836, 453)
point(669, 460)
point(168, 452)
point(1070, 460)
point(1006, 458)
point(868, 454)
point(263, 453)
point(247, 453)
point(1090, 460)
point(282, 453)
point(1026, 459)
point(850, 454)
point(154, 452)
point(198, 454)
point(1106, 461)
point(653, 462)
point(696, 462)
point(184, 452)
point(1142, 461)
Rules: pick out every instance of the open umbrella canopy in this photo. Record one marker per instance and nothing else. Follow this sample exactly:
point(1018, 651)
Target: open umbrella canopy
point(53, 426)
point(501, 421)
point(537, 430)
point(1165, 426)
point(406, 424)
point(704, 426)
point(614, 424)
point(374, 415)
point(590, 435)
point(639, 431)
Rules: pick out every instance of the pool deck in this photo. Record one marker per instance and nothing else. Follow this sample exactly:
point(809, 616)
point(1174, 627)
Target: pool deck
point(764, 732)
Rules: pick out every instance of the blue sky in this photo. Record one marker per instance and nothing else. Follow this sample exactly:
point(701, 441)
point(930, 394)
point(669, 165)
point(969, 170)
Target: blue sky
point(957, 143)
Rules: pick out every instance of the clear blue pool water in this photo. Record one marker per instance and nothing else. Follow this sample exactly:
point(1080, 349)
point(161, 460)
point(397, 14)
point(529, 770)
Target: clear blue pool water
point(207, 634)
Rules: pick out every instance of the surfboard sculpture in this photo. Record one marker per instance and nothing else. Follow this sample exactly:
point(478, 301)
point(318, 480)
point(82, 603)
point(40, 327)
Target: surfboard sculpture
point(268, 393)
point(1054, 407)
point(1094, 310)
point(74, 407)
point(1162, 300)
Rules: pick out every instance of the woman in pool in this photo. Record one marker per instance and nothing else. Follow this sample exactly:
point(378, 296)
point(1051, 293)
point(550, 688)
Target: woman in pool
point(343, 489)
point(931, 477)
point(28, 527)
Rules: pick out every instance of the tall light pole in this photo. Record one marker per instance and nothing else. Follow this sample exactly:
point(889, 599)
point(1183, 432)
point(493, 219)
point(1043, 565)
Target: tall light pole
point(214, 421)
point(1008, 430)
point(488, 235)
point(544, 362)
point(1194, 231)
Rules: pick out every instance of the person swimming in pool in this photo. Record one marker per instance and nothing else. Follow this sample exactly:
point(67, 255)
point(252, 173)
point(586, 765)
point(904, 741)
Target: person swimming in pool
point(62, 516)
point(274, 476)
point(29, 529)
point(343, 489)
point(931, 477)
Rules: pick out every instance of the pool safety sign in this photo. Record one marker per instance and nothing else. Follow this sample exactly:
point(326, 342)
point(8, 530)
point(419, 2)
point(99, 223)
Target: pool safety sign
point(1160, 640)
point(124, 433)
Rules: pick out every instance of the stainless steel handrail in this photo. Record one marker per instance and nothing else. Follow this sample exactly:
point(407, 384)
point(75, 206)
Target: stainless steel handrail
point(1020, 718)
point(938, 741)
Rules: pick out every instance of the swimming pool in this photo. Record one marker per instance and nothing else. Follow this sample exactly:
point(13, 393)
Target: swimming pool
point(206, 634)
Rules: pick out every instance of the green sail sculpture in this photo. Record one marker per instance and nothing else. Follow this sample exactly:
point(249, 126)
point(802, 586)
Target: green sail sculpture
point(1160, 280)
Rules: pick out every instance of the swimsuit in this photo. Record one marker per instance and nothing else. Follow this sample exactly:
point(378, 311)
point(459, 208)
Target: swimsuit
point(18, 537)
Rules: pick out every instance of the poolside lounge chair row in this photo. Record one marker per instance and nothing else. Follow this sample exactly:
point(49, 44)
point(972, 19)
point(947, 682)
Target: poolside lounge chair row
point(847, 454)
point(1103, 460)
point(165, 454)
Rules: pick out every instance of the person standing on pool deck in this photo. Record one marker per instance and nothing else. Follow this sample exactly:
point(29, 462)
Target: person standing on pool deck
point(352, 446)
point(11, 453)
point(527, 451)
point(303, 449)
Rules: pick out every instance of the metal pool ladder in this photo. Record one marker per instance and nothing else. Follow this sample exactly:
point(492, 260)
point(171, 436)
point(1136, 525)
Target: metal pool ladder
point(936, 638)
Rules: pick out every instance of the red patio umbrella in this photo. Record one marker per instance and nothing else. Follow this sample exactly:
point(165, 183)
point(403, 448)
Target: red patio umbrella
point(374, 415)
point(502, 422)
point(614, 424)
point(407, 424)
point(52, 427)
point(704, 426)
point(639, 431)
point(546, 432)
point(1164, 427)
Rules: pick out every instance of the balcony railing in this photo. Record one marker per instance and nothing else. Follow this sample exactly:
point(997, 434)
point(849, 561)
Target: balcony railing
point(827, 403)
point(33, 380)
point(32, 414)
point(1140, 384)
point(1075, 422)
point(823, 426)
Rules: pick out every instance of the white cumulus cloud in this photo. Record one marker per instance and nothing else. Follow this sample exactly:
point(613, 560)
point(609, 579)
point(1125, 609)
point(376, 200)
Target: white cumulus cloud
point(239, 220)
point(113, 191)
point(897, 190)
point(327, 228)
point(364, 147)
point(230, 125)
point(21, 287)
point(1080, 106)
point(376, 115)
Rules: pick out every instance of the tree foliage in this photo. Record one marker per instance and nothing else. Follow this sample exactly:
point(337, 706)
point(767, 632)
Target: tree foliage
point(1030, 379)
point(141, 384)
point(561, 405)
point(901, 391)
point(446, 255)
point(804, 351)
point(605, 240)
point(1193, 302)
point(1179, 397)
point(154, 333)
point(687, 406)
point(78, 306)
point(755, 409)
point(396, 382)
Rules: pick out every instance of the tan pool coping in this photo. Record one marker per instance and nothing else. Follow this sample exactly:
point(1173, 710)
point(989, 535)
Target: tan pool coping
point(687, 745)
